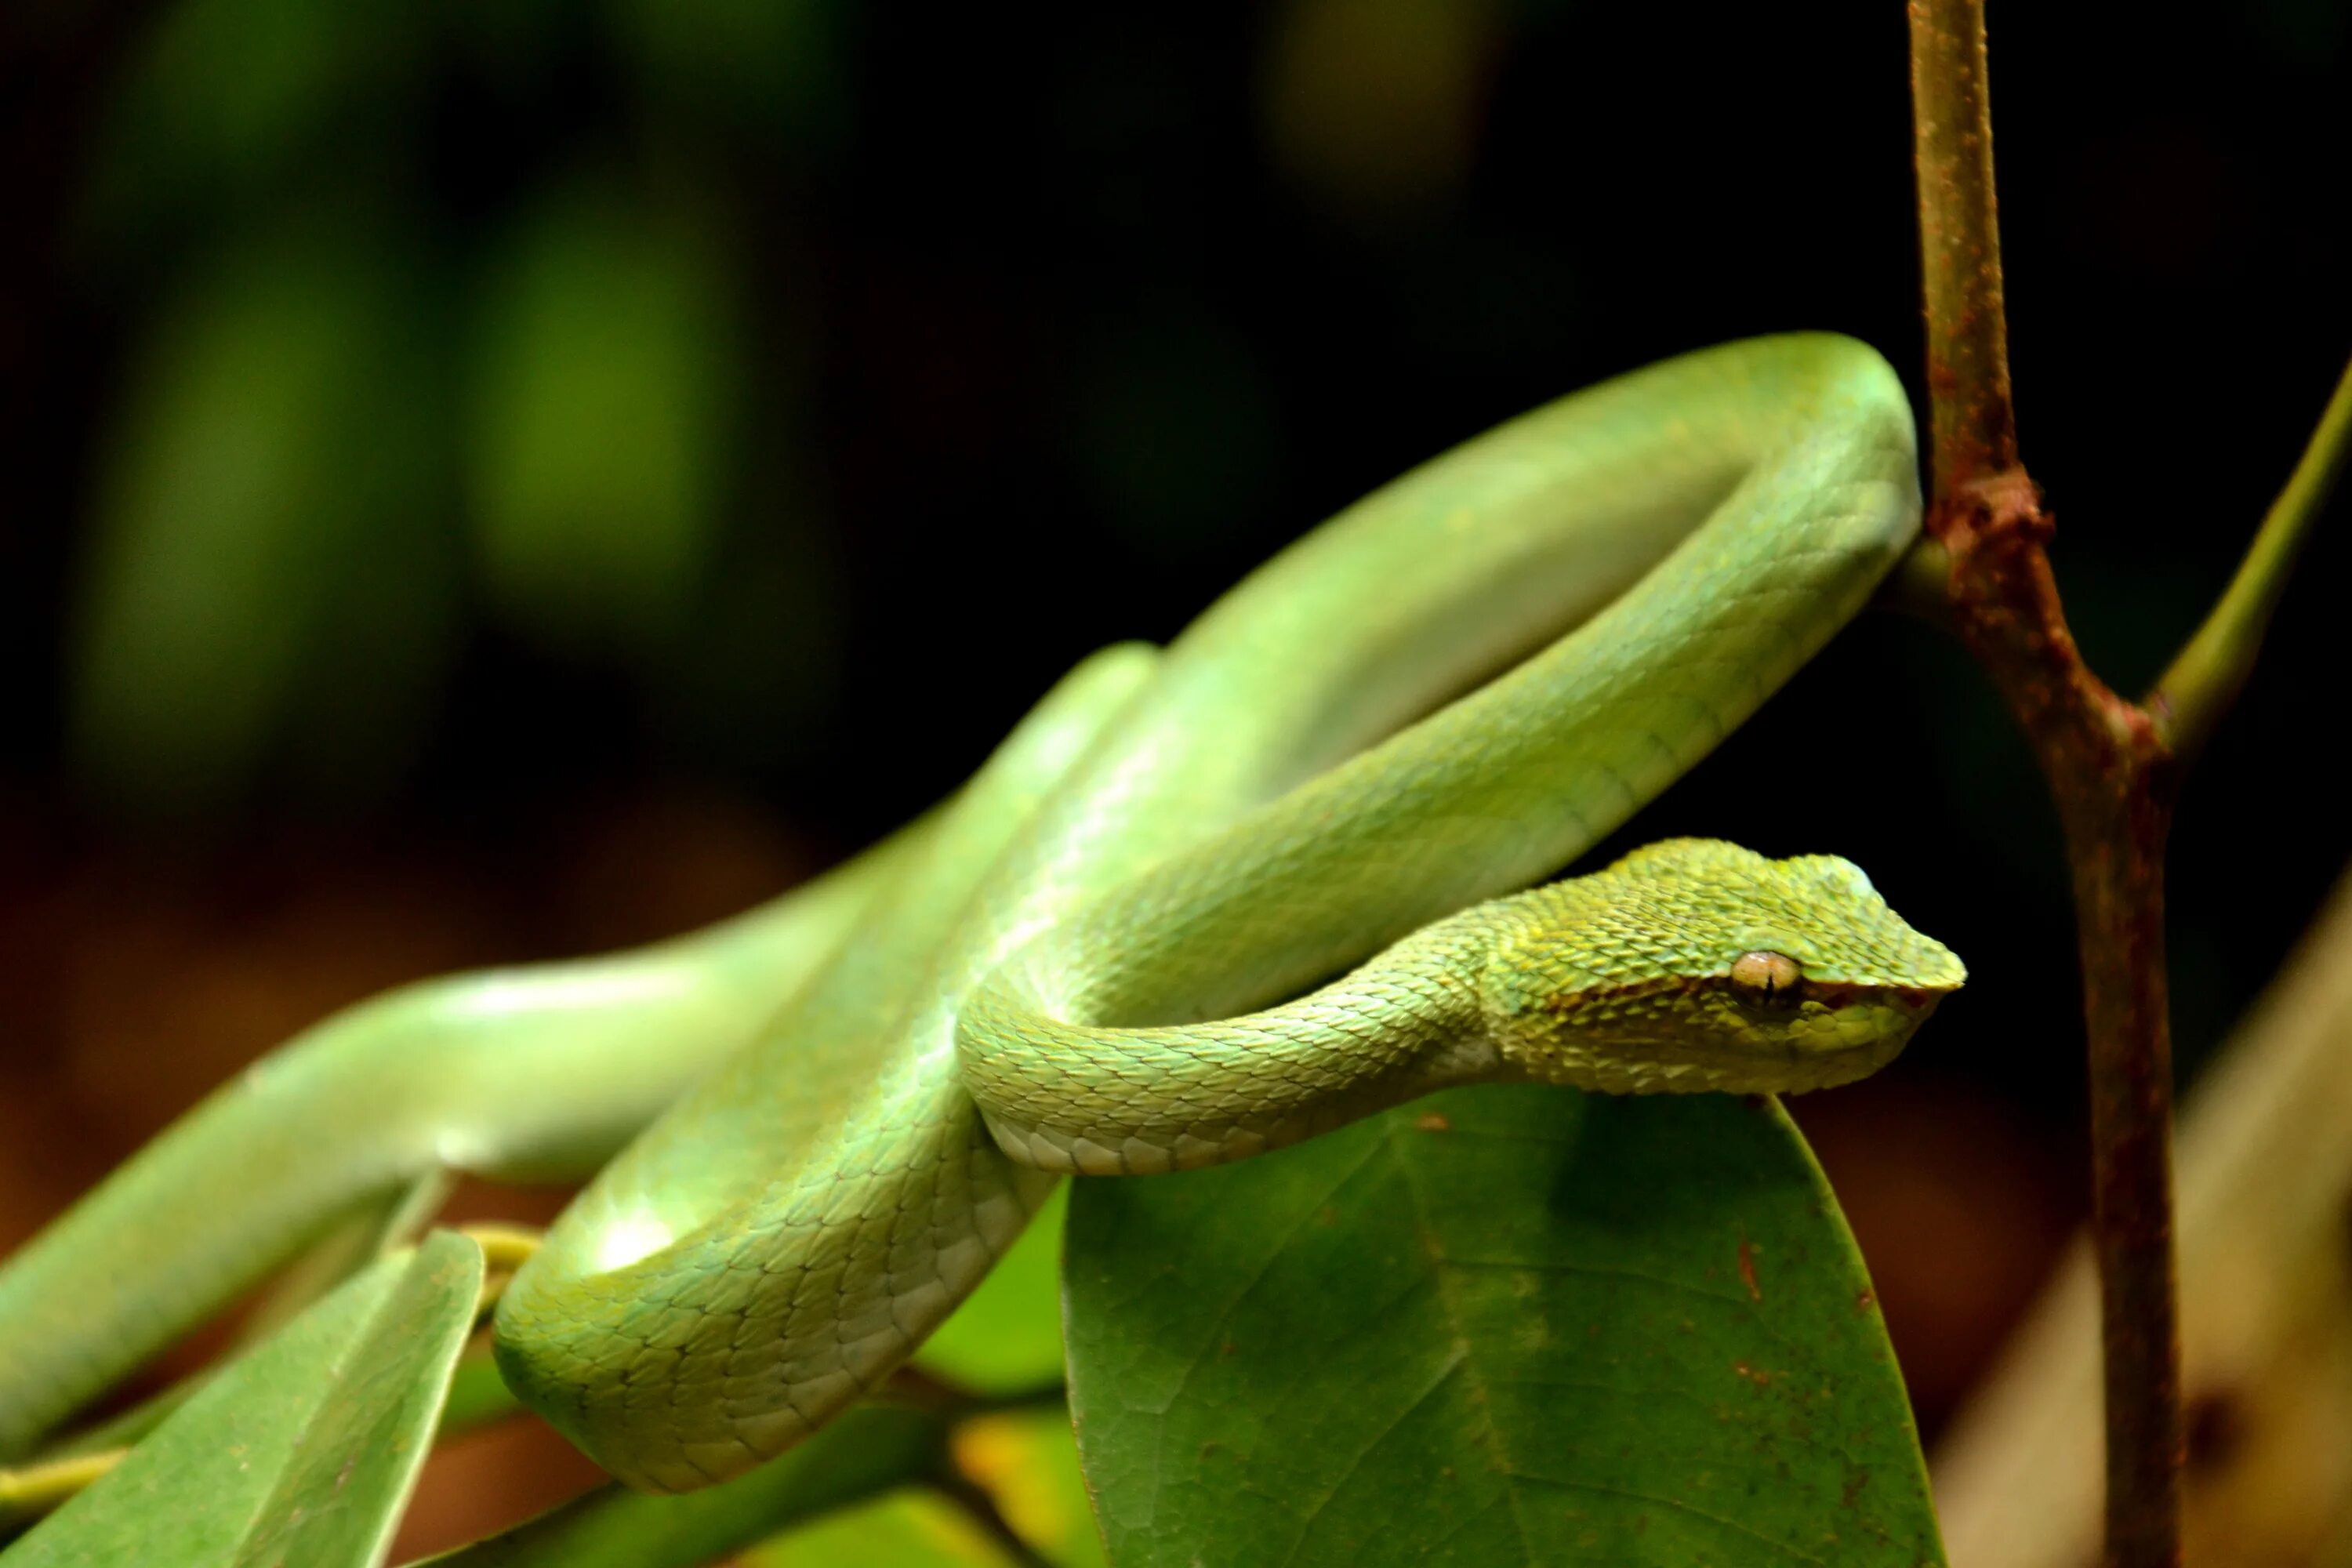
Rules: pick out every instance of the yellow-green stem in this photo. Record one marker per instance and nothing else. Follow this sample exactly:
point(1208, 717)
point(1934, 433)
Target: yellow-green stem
point(33, 1491)
point(2189, 700)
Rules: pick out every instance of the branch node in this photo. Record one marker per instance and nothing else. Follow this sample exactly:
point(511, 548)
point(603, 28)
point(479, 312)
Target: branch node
point(2105, 761)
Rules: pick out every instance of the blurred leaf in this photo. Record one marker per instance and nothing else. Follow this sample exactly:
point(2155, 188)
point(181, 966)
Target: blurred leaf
point(230, 97)
point(1024, 1465)
point(602, 377)
point(905, 1530)
point(1026, 1461)
point(269, 562)
point(303, 1452)
point(1497, 1326)
point(868, 1450)
point(1007, 1336)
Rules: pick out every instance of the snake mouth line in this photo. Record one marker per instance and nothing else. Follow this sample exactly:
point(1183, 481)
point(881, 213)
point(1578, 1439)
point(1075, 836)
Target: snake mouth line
point(1917, 1000)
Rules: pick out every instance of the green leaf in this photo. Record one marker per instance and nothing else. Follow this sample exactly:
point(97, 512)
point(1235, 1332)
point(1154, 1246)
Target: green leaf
point(1511, 1325)
point(1007, 1337)
point(867, 1451)
point(601, 384)
point(272, 569)
point(303, 1452)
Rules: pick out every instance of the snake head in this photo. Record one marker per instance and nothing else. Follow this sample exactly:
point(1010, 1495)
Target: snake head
point(1695, 964)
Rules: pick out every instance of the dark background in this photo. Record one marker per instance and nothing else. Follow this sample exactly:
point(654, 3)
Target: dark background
point(491, 482)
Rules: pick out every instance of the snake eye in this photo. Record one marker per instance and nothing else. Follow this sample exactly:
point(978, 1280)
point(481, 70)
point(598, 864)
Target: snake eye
point(1766, 976)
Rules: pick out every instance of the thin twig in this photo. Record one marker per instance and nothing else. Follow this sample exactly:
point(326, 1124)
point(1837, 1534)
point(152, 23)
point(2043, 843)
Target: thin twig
point(2107, 766)
point(2265, 1174)
point(979, 1505)
point(2193, 694)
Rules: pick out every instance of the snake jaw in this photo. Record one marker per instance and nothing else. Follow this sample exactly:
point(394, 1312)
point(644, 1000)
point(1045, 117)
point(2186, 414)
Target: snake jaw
point(1683, 1043)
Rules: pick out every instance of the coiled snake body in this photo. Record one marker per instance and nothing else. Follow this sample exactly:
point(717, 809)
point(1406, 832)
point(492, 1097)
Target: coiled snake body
point(1104, 954)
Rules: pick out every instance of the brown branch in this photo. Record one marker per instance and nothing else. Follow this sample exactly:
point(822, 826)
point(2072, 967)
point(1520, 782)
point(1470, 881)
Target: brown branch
point(2113, 781)
point(2265, 1182)
point(1959, 240)
point(2109, 768)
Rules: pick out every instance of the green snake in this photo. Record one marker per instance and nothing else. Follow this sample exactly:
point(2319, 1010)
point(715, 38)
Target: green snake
point(1200, 904)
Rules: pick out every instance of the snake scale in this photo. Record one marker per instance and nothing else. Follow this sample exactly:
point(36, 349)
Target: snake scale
point(1202, 903)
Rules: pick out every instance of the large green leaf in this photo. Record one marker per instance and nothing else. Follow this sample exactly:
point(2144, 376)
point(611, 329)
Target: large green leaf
point(300, 1455)
point(1499, 1326)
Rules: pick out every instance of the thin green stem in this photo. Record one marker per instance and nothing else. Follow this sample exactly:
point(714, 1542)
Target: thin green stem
point(33, 1491)
point(2191, 697)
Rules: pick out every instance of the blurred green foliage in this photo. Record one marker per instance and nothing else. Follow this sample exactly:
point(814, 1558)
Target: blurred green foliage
point(600, 383)
point(446, 329)
point(1022, 1465)
point(364, 422)
point(273, 558)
